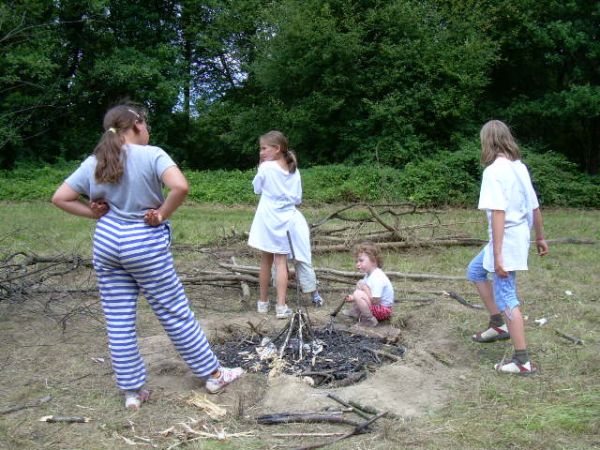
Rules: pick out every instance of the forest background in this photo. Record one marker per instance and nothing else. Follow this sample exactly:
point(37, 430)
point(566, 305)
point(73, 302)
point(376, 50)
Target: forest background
point(381, 100)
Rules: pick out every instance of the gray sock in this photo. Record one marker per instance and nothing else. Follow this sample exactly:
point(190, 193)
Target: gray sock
point(522, 356)
point(496, 320)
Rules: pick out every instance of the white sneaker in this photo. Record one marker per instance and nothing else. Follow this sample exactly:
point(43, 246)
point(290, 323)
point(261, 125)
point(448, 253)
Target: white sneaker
point(283, 312)
point(216, 385)
point(262, 307)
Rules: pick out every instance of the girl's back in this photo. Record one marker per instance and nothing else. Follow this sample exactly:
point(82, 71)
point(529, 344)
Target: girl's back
point(277, 184)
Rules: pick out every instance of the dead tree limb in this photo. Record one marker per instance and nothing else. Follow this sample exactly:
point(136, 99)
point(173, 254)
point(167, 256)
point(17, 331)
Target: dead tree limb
point(35, 404)
point(461, 300)
point(358, 429)
point(272, 419)
point(347, 405)
point(244, 285)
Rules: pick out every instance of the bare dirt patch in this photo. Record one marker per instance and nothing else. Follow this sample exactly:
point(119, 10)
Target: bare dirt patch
point(68, 359)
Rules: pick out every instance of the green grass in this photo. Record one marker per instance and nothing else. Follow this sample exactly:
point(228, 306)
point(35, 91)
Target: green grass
point(557, 409)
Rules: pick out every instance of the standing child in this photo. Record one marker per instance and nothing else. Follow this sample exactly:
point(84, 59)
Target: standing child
point(512, 209)
point(280, 187)
point(131, 248)
point(374, 295)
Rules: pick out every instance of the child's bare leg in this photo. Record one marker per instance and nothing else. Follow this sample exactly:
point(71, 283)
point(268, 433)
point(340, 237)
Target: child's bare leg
point(516, 328)
point(362, 302)
point(484, 288)
point(265, 275)
point(281, 279)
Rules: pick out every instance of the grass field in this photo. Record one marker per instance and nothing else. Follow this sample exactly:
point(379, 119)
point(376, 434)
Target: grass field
point(557, 409)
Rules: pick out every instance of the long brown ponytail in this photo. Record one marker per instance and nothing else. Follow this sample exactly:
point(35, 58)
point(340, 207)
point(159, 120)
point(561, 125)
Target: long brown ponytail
point(275, 137)
point(110, 159)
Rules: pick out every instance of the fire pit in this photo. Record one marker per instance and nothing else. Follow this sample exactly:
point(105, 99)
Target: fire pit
point(327, 356)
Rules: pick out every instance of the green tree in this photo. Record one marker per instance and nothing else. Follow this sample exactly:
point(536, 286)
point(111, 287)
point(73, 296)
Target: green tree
point(547, 81)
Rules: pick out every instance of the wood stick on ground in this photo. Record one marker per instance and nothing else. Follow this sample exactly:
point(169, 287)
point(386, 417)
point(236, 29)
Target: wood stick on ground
point(574, 340)
point(307, 434)
point(243, 284)
point(65, 419)
point(347, 405)
point(35, 404)
point(272, 419)
point(384, 354)
point(360, 428)
point(461, 300)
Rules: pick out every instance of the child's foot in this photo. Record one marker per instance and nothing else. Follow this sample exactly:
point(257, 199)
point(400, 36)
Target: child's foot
point(368, 322)
point(492, 334)
point(134, 399)
point(226, 376)
point(283, 311)
point(262, 307)
point(514, 366)
point(317, 300)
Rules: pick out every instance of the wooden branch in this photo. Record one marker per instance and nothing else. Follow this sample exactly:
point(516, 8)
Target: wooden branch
point(360, 428)
point(35, 404)
point(461, 300)
point(383, 353)
point(254, 270)
point(65, 419)
point(243, 284)
point(272, 419)
point(574, 340)
point(347, 405)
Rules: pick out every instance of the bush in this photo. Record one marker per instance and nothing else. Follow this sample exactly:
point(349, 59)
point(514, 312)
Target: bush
point(446, 179)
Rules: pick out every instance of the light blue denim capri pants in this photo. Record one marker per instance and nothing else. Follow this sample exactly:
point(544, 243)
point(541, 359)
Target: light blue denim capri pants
point(505, 289)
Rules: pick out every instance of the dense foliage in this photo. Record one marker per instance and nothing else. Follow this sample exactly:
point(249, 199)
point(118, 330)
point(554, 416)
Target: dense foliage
point(360, 82)
point(447, 179)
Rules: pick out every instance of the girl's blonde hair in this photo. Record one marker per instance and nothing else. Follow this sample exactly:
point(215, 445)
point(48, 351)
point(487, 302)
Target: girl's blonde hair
point(110, 159)
point(275, 137)
point(371, 250)
point(496, 139)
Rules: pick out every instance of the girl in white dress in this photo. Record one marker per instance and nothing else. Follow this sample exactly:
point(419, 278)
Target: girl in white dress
point(279, 185)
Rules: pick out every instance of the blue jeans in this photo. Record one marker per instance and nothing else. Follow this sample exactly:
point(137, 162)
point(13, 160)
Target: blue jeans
point(505, 289)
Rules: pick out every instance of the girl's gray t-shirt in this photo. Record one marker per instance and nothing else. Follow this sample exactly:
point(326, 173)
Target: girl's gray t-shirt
point(139, 189)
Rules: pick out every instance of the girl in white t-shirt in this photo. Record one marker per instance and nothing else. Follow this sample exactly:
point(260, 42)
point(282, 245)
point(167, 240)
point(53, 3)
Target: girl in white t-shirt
point(280, 187)
point(512, 208)
point(373, 298)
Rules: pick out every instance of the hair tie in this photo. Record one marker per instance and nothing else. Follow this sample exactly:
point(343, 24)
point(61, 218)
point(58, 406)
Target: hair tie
point(112, 129)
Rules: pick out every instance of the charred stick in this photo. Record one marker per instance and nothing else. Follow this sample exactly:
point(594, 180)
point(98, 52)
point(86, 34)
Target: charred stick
point(271, 419)
point(347, 405)
point(360, 428)
point(65, 419)
point(287, 338)
point(383, 353)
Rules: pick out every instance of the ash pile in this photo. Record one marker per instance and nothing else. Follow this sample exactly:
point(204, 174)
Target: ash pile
point(325, 357)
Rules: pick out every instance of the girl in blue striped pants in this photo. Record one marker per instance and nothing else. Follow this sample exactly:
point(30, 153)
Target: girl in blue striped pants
point(124, 178)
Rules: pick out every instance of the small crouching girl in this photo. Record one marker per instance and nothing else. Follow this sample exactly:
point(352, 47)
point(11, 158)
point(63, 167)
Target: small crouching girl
point(373, 298)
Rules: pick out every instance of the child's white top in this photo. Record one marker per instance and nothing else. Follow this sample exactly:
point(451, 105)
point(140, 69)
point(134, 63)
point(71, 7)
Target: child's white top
point(139, 189)
point(506, 186)
point(381, 287)
point(280, 192)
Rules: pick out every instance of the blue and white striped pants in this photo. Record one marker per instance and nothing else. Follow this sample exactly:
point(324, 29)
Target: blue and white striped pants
point(127, 257)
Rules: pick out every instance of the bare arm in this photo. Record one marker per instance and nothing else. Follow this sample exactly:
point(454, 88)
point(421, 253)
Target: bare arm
point(540, 240)
point(498, 220)
point(178, 187)
point(68, 199)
